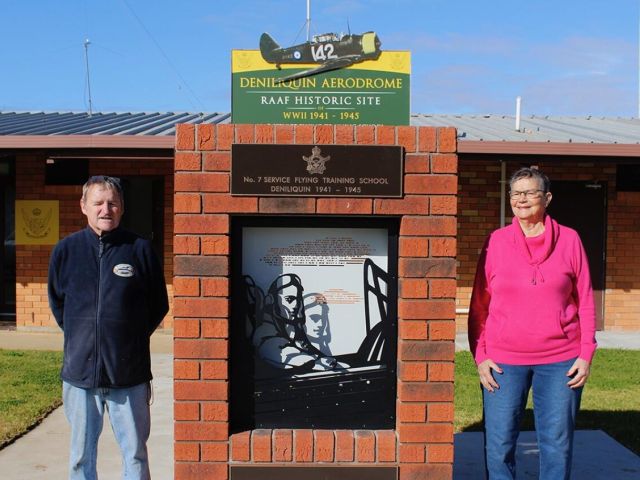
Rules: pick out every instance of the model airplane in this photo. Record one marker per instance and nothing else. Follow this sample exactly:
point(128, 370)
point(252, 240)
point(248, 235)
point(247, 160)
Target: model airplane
point(329, 50)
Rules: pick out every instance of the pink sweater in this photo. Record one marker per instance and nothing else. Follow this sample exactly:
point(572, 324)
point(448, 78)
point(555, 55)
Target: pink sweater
point(535, 307)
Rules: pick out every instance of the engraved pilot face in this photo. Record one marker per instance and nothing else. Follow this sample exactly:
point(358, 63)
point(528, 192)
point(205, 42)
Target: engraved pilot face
point(287, 294)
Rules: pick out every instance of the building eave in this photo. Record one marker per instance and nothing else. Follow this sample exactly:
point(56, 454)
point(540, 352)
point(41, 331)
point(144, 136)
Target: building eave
point(548, 148)
point(87, 141)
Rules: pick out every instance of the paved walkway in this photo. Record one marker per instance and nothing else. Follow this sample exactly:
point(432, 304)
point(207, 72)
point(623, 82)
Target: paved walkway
point(42, 453)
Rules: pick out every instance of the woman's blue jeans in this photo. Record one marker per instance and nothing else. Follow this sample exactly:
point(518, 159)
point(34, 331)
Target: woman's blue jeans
point(129, 415)
point(554, 407)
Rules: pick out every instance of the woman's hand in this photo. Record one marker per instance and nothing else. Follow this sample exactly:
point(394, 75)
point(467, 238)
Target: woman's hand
point(486, 376)
point(579, 372)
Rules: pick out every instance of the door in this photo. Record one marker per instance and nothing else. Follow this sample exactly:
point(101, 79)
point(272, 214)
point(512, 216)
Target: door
point(583, 207)
point(7, 243)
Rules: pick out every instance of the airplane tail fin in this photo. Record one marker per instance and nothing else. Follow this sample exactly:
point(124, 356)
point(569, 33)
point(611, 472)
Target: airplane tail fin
point(267, 46)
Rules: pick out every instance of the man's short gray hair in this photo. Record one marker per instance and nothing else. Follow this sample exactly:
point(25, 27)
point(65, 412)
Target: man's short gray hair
point(111, 183)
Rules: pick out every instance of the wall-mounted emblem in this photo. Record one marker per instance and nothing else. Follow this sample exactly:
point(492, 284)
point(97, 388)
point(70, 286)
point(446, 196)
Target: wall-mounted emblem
point(37, 222)
point(315, 162)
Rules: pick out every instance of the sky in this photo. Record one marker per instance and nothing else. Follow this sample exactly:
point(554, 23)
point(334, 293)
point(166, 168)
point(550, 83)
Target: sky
point(563, 57)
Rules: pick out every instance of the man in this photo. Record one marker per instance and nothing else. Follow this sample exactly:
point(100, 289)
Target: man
point(108, 294)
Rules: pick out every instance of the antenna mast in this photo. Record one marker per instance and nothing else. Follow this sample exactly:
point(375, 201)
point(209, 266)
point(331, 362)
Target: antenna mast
point(86, 60)
point(308, 20)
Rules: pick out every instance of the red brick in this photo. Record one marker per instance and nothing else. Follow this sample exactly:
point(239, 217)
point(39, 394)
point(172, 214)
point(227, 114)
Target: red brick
point(443, 205)
point(420, 225)
point(215, 328)
point(215, 245)
point(426, 309)
point(411, 453)
point(217, 162)
point(201, 224)
point(188, 161)
point(365, 134)
point(240, 447)
point(225, 204)
point(442, 288)
point(215, 287)
point(432, 433)
point(426, 351)
point(287, 205)
point(224, 136)
point(406, 206)
point(345, 205)
point(186, 244)
point(365, 446)
point(215, 411)
point(344, 445)
point(412, 412)
point(414, 163)
point(304, 134)
point(203, 431)
point(245, 133)
point(407, 138)
point(444, 163)
point(303, 445)
point(186, 370)
point(423, 472)
point(186, 203)
point(215, 452)
point(199, 390)
point(200, 266)
point(201, 307)
point(186, 328)
point(284, 134)
point(185, 136)
point(427, 267)
point(186, 411)
point(386, 135)
point(445, 330)
point(201, 182)
point(186, 287)
point(199, 471)
point(413, 371)
point(324, 134)
point(441, 372)
point(323, 445)
point(186, 452)
point(206, 137)
point(264, 133)
point(447, 140)
point(261, 445)
point(426, 392)
point(413, 330)
point(440, 454)
point(440, 412)
point(282, 445)
point(413, 288)
point(345, 135)
point(209, 348)
point(413, 247)
point(431, 184)
point(427, 139)
point(386, 445)
point(442, 247)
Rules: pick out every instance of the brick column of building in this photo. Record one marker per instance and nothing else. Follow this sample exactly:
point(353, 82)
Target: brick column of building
point(422, 442)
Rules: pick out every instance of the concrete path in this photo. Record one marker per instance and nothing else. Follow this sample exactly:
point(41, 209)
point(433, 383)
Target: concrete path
point(42, 453)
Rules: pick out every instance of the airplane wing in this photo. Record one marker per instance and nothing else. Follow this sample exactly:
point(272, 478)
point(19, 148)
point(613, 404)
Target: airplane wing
point(333, 64)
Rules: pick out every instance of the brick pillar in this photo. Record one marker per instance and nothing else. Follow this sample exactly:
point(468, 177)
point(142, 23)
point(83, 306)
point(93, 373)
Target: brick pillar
point(421, 444)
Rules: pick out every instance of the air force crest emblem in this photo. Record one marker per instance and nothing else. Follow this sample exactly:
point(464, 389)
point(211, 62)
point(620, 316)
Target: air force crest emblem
point(316, 162)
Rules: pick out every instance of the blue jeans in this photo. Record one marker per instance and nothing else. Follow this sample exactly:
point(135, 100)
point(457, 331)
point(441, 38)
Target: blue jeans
point(554, 407)
point(130, 419)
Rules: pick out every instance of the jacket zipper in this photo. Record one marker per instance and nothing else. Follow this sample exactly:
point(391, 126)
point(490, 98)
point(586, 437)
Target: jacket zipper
point(96, 379)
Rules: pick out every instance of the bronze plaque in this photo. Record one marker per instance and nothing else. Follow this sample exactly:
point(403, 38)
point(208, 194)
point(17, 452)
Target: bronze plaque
point(312, 473)
point(317, 170)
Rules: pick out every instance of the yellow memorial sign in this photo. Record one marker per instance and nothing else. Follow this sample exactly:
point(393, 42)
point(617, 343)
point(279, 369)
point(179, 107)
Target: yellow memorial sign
point(37, 222)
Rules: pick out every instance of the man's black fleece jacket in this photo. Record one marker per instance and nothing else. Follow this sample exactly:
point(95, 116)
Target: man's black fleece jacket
point(108, 295)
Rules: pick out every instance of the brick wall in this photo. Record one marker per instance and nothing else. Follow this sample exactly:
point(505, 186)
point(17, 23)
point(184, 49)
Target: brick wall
point(422, 442)
point(479, 214)
point(32, 307)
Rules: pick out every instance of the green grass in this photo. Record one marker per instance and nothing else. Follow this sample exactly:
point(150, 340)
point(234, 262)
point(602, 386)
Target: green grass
point(609, 400)
point(31, 388)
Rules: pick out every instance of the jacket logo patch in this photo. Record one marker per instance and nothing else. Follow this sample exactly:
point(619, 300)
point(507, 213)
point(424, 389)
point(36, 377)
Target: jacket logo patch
point(123, 270)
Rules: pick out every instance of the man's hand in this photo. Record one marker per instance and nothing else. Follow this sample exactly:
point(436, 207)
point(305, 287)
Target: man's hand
point(486, 376)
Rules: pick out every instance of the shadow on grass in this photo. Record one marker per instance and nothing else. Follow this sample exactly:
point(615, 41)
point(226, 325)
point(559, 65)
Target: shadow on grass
point(621, 425)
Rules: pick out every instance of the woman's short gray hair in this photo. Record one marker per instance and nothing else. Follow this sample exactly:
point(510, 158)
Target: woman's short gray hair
point(528, 172)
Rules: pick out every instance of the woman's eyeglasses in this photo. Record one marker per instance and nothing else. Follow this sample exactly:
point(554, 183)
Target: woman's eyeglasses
point(529, 194)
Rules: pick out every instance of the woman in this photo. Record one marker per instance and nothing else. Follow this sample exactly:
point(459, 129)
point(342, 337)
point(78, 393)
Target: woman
point(532, 325)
